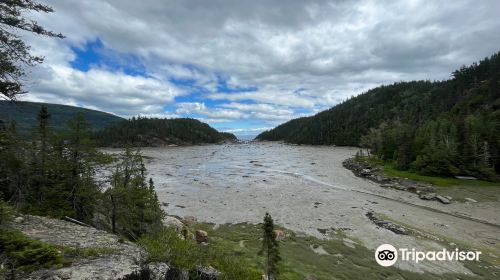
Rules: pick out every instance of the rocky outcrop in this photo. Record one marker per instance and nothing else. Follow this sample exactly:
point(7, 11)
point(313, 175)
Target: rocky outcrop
point(365, 170)
point(379, 221)
point(120, 259)
point(123, 258)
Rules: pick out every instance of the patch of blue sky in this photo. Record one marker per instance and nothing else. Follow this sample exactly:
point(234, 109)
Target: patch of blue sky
point(95, 55)
point(223, 87)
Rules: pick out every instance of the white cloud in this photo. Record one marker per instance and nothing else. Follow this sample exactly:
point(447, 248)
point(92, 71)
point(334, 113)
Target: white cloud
point(118, 93)
point(298, 54)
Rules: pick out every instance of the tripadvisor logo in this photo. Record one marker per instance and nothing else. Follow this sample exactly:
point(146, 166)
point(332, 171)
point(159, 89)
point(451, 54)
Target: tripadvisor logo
point(387, 255)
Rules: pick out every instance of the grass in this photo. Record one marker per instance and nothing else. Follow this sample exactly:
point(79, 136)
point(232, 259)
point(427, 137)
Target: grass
point(241, 243)
point(167, 246)
point(390, 170)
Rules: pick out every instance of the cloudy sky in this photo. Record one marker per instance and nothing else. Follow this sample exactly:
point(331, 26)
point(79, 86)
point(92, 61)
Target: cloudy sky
point(244, 66)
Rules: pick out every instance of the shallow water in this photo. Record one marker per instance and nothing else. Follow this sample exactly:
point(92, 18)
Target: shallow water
point(307, 190)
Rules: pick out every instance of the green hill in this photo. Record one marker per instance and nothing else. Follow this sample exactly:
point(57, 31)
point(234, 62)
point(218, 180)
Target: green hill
point(25, 115)
point(444, 127)
point(154, 132)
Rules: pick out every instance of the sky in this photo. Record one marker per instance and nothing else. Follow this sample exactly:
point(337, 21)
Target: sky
point(247, 66)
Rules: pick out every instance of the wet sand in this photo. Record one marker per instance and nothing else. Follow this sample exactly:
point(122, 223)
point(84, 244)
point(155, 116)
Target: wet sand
point(306, 188)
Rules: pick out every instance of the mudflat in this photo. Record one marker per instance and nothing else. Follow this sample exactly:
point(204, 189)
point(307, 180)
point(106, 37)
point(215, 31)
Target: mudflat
point(307, 190)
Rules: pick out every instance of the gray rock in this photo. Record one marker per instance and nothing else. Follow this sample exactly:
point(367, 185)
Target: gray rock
point(470, 200)
point(365, 172)
point(121, 262)
point(158, 271)
point(443, 199)
point(400, 187)
point(19, 220)
point(207, 273)
point(427, 196)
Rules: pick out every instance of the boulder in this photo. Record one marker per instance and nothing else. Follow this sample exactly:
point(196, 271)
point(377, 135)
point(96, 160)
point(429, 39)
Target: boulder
point(443, 199)
point(470, 200)
point(170, 221)
point(19, 220)
point(207, 273)
point(201, 236)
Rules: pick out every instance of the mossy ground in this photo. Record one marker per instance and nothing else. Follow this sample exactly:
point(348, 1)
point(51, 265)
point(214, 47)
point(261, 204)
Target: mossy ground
point(302, 256)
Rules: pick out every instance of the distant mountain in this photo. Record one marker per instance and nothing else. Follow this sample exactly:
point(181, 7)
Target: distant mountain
point(444, 127)
point(25, 115)
point(154, 132)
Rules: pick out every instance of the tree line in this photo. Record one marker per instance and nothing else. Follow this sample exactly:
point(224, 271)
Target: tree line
point(446, 128)
point(54, 174)
point(145, 132)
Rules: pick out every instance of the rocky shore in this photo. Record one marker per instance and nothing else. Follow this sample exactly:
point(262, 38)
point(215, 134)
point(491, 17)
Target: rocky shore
point(365, 170)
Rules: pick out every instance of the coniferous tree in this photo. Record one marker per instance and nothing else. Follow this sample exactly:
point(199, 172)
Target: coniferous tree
point(270, 248)
point(134, 208)
point(14, 53)
point(82, 158)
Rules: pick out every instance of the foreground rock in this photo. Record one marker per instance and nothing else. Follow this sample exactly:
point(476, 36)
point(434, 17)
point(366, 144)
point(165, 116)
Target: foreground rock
point(121, 260)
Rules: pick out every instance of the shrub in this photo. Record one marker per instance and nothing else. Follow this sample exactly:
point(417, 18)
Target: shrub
point(167, 246)
point(28, 254)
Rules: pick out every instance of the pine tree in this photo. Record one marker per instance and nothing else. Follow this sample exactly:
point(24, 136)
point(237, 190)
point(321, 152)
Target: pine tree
point(134, 206)
point(14, 53)
point(270, 248)
point(82, 160)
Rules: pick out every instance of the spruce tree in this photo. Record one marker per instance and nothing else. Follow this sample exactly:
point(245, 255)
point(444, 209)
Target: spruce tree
point(270, 248)
point(14, 53)
point(134, 208)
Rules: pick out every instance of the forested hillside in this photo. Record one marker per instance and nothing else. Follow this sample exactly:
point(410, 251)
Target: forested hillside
point(24, 114)
point(447, 128)
point(153, 132)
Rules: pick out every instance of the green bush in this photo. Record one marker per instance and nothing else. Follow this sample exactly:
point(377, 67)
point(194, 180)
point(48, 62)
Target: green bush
point(28, 254)
point(6, 213)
